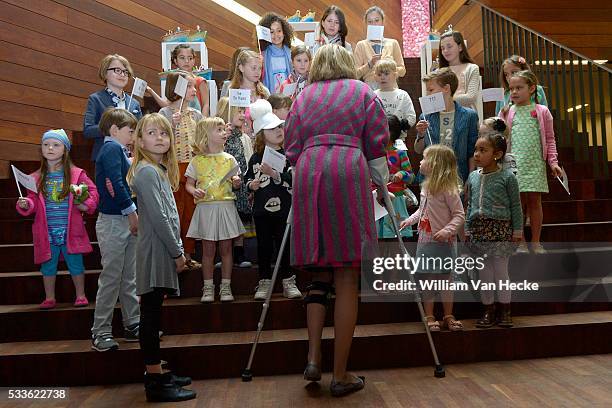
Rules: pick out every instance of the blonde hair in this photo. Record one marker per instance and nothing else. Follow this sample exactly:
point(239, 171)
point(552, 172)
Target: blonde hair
point(243, 59)
point(203, 129)
point(385, 66)
point(332, 62)
point(443, 174)
point(106, 61)
point(222, 107)
point(169, 160)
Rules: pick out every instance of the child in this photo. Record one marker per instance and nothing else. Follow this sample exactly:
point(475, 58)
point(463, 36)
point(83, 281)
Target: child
point(116, 229)
point(153, 176)
point(332, 29)
point(497, 124)
point(300, 59)
point(401, 175)
point(239, 145)
point(281, 105)
point(277, 54)
point(231, 71)
point(215, 219)
point(494, 218)
point(183, 124)
point(439, 217)
point(532, 142)
point(58, 224)
point(247, 75)
point(272, 200)
point(510, 66)
point(183, 58)
point(395, 101)
point(454, 54)
point(456, 126)
point(115, 71)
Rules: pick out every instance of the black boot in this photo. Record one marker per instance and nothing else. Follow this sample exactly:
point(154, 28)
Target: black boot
point(182, 381)
point(505, 317)
point(161, 388)
point(488, 318)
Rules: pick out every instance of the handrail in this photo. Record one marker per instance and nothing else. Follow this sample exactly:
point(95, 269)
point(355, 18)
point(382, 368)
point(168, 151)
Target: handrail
point(584, 57)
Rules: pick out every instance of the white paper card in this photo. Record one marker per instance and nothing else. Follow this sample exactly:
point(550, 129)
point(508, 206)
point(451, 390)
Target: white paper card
point(234, 171)
point(493, 94)
point(274, 159)
point(432, 103)
point(140, 87)
point(181, 86)
point(289, 89)
point(263, 33)
point(564, 180)
point(309, 39)
point(240, 97)
point(26, 180)
point(375, 33)
point(379, 210)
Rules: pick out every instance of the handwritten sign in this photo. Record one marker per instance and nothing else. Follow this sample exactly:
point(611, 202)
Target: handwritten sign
point(289, 89)
point(263, 33)
point(181, 86)
point(274, 159)
point(26, 180)
point(375, 33)
point(309, 39)
point(139, 88)
point(493, 94)
point(432, 103)
point(240, 97)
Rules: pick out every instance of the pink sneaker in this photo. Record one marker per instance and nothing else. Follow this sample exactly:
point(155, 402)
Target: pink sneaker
point(81, 302)
point(48, 304)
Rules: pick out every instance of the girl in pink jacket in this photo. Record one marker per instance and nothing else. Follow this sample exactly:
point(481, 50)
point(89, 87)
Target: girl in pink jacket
point(439, 216)
point(58, 225)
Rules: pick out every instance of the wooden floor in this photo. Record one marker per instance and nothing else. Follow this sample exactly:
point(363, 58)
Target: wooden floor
point(584, 381)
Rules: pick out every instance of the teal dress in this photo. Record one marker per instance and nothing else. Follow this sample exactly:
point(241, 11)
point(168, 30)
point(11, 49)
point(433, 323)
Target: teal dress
point(527, 149)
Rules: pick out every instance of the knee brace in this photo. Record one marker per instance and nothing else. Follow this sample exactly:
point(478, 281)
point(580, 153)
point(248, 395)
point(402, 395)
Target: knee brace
point(320, 298)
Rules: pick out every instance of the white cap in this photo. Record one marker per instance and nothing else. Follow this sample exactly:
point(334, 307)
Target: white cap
point(263, 117)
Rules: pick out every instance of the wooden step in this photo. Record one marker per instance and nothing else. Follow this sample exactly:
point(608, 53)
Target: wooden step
point(218, 355)
point(573, 232)
point(577, 211)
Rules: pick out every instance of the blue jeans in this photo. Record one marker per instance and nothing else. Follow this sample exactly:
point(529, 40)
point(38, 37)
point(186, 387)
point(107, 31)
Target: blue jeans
point(73, 261)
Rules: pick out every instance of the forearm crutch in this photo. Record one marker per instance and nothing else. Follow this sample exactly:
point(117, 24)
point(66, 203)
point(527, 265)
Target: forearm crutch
point(439, 368)
point(247, 375)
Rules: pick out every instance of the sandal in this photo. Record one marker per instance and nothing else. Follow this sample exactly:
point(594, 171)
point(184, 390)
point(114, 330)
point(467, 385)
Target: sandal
point(433, 324)
point(449, 322)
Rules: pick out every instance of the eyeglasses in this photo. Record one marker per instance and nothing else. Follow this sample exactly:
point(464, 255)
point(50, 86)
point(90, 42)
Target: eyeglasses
point(120, 71)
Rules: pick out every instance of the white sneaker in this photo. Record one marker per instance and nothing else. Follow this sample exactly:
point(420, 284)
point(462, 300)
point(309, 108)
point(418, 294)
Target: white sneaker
point(290, 291)
point(208, 294)
point(225, 292)
point(522, 248)
point(538, 248)
point(261, 291)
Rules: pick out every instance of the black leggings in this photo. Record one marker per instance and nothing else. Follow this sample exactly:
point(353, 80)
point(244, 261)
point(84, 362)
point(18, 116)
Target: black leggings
point(150, 322)
point(270, 231)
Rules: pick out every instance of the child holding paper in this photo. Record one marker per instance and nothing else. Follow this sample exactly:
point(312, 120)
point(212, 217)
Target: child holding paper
point(455, 126)
point(277, 54)
point(272, 200)
point(58, 226)
point(183, 119)
point(211, 176)
point(247, 75)
point(239, 145)
point(395, 101)
point(115, 71)
point(300, 58)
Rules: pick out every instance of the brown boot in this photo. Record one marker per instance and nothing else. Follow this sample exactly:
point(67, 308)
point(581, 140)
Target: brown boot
point(488, 318)
point(505, 317)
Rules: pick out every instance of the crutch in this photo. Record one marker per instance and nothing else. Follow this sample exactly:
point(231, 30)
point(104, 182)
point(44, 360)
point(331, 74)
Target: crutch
point(439, 369)
point(247, 375)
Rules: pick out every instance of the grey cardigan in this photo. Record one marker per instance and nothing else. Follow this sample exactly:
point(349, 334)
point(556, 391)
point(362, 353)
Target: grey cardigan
point(159, 232)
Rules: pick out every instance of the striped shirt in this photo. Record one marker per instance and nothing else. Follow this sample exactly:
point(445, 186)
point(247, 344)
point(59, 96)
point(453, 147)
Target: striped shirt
point(57, 210)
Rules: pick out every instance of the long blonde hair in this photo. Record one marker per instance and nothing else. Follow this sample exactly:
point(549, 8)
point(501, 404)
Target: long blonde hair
point(443, 174)
point(168, 160)
point(203, 129)
point(243, 59)
point(222, 107)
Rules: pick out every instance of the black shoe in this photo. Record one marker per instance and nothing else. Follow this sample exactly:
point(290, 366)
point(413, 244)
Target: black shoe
point(505, 317)
point(161, 388)
point(488, 318)
point(341, 389)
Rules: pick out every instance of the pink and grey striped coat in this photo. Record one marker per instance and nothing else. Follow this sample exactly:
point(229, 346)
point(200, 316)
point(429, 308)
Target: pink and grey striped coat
point(333, 129)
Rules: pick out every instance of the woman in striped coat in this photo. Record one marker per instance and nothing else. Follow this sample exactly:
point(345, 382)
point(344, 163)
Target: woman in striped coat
point(336, 134)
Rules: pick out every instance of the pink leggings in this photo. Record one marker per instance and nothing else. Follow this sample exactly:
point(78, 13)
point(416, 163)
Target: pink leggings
point(495, 269)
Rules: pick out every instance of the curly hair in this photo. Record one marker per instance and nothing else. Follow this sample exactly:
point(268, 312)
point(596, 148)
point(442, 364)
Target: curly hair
point(268, 19)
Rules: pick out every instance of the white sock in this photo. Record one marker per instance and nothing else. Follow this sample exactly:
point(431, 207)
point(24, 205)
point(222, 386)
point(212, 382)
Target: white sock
point(226, 281)
point(208, 282)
